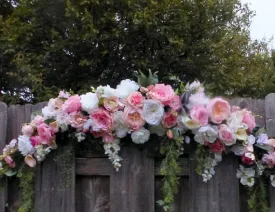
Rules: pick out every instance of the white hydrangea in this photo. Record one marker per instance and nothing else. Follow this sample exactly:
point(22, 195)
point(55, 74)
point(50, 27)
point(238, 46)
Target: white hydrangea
point(152, 112)
point(246, 175)
point(89, 101)
point(140, 136)
point(112, 149)
point(125, 88)
point(105, 91)
point(24, 145)
point(206, 134)
point(80, 136)
point(63, 120)
point(119, 126)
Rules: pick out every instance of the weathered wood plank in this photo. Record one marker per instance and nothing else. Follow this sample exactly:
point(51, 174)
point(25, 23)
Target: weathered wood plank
point(3, 135)
point(17, 116)
point(270, 127)
point(132, 188)
point(220, 194)
point(92, 194)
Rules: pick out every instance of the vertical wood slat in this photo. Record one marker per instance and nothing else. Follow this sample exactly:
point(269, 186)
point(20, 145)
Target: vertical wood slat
point(132, 187)
point(270, 127)
point(3, 134)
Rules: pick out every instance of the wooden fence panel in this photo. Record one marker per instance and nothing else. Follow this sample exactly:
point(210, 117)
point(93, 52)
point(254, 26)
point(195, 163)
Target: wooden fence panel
point(3, 134)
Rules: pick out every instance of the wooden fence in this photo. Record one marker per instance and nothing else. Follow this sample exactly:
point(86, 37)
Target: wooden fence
point(96, 187)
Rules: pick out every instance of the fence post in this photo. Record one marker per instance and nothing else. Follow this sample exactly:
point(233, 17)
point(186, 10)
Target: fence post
point(3, 135)
point(270, 127)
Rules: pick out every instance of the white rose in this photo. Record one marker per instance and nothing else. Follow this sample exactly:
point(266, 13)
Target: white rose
point(206, 134)
point(89, 101)
point(125, 88)
point(140, 136)
point(24, 145)
point(152, 112)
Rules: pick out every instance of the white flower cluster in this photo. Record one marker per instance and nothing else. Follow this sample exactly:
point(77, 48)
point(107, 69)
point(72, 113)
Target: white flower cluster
point(209, 170)
point(41, 152)
point(80, 136)
point(246, 175)
point(112, 149)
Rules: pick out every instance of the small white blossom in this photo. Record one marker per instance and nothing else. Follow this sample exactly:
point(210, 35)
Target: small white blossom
point(80, 136)
point(24, 145)
point(40, 152)
point(89, 101)
point(140, 136)
point(10, 146)
point(112, 149)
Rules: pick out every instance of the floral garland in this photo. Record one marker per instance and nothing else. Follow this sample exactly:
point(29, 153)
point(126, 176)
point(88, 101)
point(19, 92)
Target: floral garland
point(139, 111)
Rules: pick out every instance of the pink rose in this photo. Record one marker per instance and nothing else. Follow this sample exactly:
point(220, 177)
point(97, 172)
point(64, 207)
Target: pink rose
point(27, 130)
point(248, 158)
point(199, 114)
point(249, 120)
point(101, 120)
point(35, 140)
point(112, 104)
point(8, 159)
point(133, 118)
point(218, 110)
point(37, 121)
point(170, 119)
point(162, 93)
point(77, 120)
point(135, 99)
point(175, 103)
point(226, 135)
point(72, 104)
point(45, 133)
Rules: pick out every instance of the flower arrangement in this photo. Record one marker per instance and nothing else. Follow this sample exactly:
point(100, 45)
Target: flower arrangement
point(111, 114)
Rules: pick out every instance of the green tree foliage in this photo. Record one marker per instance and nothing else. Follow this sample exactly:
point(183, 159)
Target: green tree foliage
point(67, 44)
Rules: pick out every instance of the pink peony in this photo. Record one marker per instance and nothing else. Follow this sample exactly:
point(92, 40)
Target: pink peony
point(133, 118)
point(112, 104)
point(135, 99)
point(27, 130)
point(249, 120)
point(162, 93)
point(269, 159)
point(175, 103)
point(170, 119)
point(37, 121)
point(72, 104)
point(8, 159)
point(35, 140)
point(77, 120)
point(226, 135)
point(101, 120)
point(199, 114)
point(45, 133)
point(218, 110)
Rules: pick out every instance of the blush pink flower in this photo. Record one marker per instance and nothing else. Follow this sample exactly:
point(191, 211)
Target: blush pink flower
point(54, 126)
point(249, 120)
point(133, 118)
point(226, 135)
point(175, 103)
point(269, 159)
point(27, 130)
point(45, 133)
point(162, 93)
point(77, 120)
point(108, 138)
point(135, 99)
point(218, 110)
point(8, 159)
point(199, 114)
point(37, 121)
point(35, 140)
point(101, 120)
point(112, 104)
point(170, 119)
point(72, 104)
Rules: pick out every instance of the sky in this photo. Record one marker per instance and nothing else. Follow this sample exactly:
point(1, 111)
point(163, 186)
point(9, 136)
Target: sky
point(263, 24)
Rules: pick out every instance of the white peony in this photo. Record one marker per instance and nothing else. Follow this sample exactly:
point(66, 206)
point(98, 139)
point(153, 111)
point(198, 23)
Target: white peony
point(89, 101)
point(152, 112)
point(105, 91)
point(140, 136)
point(125, 88)
point(24, 145)
point(50, 111)
point(119, 126)
point(206, 134)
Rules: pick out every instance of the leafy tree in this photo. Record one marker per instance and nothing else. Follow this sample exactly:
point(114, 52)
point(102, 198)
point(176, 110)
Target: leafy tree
point(58, 44)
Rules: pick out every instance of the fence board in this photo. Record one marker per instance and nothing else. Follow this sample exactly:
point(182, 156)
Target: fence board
point(132, 188)
point(3, 134)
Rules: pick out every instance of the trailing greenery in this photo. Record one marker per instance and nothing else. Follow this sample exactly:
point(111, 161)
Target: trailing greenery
point(26, 176)
point(258, 197)
point(170, 169)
